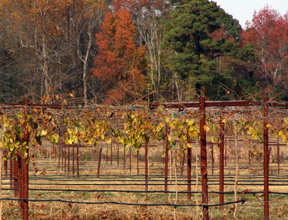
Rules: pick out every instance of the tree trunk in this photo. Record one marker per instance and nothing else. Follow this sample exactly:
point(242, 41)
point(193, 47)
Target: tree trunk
point(198, 89)
point(1, 159)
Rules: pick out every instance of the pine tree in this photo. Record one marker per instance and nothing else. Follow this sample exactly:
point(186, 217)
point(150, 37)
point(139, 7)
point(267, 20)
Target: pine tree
point(190, 33)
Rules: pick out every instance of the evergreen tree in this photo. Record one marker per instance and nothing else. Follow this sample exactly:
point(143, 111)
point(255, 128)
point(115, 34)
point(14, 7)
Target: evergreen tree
point(190, 33)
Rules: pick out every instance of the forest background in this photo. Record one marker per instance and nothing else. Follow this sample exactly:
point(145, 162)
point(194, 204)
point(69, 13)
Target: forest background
point(138, 51)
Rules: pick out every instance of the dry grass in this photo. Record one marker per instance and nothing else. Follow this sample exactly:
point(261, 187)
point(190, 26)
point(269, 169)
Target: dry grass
point(252, 209)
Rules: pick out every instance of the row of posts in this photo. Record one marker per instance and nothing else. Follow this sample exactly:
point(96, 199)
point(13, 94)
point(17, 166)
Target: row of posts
point(21, 167)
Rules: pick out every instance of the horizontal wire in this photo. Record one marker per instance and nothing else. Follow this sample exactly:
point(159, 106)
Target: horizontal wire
point(122, 203)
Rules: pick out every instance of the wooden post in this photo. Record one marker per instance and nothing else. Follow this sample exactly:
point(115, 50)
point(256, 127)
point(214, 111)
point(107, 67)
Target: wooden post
point(20, 179)
point(26, 168)
point(62, 157)
point(124, 157)
point(266, 161)
point(111, 153)
point(204, 160)
point(166, 160)
point(78, 161)
point(212, 159)
point(118, 155)
point(15, 175)
point(225, 156)
point(59, 159)
point(221, 146)
point(249, 155)
point(189, 158)
point(73, 152)
point(130, 160)
point(5, 162)
point(68, 158)
point(99, 162)
point(146, 166)
point(1, 157)
point(11, 171)
point(65, 159)
point(107, 154)
point(278, 155)
point(137, 161)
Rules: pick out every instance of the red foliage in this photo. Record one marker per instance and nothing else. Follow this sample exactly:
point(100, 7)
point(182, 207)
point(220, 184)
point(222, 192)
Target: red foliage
point(119, 62)
point(268, 33)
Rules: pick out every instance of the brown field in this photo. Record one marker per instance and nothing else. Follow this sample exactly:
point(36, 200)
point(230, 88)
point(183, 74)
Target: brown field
point(114, 174)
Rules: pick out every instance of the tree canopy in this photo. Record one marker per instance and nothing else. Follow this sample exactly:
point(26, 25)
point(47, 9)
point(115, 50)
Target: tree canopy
point(192, 33)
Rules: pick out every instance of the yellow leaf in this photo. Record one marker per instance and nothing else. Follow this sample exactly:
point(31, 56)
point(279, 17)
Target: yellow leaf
point(206, 128)
point(189, 145)
point(224, 120)
point(268, 125)
point(108, 140)
point(212, 139)
point(70, 94)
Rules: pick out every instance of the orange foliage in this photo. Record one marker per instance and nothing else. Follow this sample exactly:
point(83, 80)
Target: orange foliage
point(119, 62)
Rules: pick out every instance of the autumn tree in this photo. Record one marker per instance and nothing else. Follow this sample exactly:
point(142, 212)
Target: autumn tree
point(268, 34)
point(119, 63)
point(83, 21)
point(36, 28)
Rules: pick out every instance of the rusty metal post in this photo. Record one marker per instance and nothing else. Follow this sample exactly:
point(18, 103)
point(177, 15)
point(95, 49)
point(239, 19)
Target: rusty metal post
point(59, 159)
point(107, 154)
point(212, 158)
point(65, 159)
point(189, 158)
point(62, 157)
point(137, 161)
point(78, 161)
point(5, 162)
point(118, 155)
point(130, 160)
point(226, 156)
point(146, 166)
point(15, 174)
point(204, 160)
point(278, 155)
point(20, 179)
point(266, 162)
point(99, 162)
point(124, 158)
point(73, 152)
point(11, 171)
point(68, 158)
point(166, 160)
point(26, 168)
point(221, 146)
point(249, 155)
point(111, 153)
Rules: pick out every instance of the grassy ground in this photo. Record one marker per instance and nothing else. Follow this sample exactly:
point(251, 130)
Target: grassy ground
point(253, 208)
